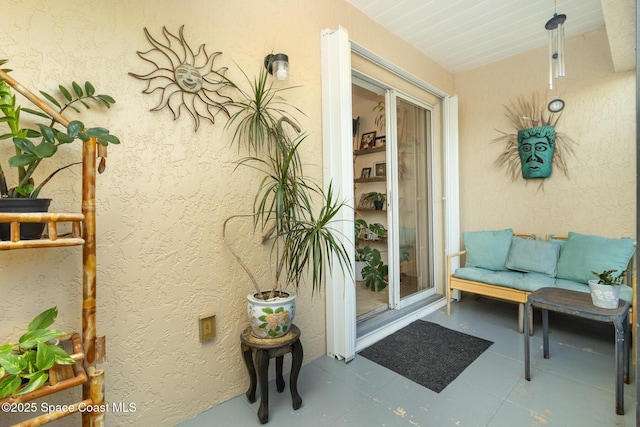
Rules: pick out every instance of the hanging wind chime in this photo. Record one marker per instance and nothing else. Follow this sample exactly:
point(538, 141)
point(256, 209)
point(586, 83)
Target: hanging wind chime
point(555, 26)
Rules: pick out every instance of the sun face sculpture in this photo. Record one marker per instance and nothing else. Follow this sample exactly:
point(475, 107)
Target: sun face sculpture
point(185, 80)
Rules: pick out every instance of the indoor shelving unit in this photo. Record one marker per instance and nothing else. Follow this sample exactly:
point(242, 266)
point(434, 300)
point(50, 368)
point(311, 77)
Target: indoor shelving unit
point(86, 348)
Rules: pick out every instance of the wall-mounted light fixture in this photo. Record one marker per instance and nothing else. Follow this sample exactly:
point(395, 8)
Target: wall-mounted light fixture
point(278, 65)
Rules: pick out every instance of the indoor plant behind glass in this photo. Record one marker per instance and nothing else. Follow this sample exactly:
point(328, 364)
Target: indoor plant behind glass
point(377, 199)
point(605, 290)
point(35, 142)
point(370, 267)
point(293, 213)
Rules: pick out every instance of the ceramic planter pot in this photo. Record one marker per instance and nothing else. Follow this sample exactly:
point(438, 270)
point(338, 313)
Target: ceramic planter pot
point(359, 266)
point(271, 318)
point(604, 296)
point(28, 231)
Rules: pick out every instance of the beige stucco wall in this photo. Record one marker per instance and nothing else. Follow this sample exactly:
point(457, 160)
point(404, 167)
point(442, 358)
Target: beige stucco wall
point(599, 197)
point(167, 189)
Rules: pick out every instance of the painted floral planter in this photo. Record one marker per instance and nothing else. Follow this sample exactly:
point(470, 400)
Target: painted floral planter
point(604, 296)
point(271, 318)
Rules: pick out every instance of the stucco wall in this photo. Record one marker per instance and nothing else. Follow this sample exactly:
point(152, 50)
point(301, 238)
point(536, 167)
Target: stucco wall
point(167, 189)
point(599, 196)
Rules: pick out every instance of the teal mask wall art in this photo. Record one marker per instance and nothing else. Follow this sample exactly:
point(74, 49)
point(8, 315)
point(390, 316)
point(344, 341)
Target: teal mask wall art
point(535, 146)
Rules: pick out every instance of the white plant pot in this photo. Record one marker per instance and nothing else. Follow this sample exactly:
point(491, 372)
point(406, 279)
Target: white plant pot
point(271, 318)
point(604, 296)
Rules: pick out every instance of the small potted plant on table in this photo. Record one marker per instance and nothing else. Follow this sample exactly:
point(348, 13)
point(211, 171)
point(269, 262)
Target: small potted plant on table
point(605, 290)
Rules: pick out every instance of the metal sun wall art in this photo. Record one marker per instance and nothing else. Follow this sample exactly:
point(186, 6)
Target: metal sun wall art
point(185, 80)
point(536, 144)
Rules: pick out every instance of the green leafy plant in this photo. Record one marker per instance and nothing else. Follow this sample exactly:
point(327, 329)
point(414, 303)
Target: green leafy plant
point(376, 198)
point(375, 271)
point(380, 115)
point(607, 277)
point(292, 212)
point(33, 145)
point(363, 229)
point(24, 366)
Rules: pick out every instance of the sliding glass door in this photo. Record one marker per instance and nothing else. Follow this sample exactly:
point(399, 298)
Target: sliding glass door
point(393, 160)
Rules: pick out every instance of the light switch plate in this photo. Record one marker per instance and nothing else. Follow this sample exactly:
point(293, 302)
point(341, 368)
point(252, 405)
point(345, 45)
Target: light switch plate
point(207, 327)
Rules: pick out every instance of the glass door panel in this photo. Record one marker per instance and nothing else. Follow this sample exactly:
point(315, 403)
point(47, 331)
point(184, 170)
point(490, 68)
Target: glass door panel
point(413, 195)
point(369, 156)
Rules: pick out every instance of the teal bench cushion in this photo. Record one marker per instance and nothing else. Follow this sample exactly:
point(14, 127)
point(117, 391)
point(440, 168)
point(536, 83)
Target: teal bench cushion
point(583, 253)
point(509, 279)
point(487, 249)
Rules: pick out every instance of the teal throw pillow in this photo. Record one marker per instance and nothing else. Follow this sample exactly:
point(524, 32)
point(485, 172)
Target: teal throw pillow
point(487, 249)
point(583, 253)
point(533, 256)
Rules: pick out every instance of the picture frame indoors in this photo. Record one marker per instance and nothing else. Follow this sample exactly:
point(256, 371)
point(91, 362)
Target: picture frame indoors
point(380, 141)
point(380, 169)
point(368, 140)
point(366, 173)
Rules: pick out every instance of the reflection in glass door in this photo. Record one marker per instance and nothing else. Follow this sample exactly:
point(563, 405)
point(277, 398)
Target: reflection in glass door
point(412, 212)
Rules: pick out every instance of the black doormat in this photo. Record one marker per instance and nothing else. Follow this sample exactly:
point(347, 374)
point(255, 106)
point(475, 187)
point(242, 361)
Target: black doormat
point(427, 353)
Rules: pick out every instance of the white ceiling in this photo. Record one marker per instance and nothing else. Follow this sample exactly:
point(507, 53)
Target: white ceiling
point(464, 34)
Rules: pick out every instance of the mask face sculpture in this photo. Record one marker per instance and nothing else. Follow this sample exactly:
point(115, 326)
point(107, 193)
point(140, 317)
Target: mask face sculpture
point(535, 147)
point(188, 78)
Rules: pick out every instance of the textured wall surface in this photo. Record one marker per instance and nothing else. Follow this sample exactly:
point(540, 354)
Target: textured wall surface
point(167, 189)
point(599, 196)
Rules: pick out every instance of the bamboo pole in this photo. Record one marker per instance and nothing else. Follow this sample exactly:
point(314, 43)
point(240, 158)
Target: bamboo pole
point(34, 98)
point(96, 391)
point(47, 418)
point(89, 259)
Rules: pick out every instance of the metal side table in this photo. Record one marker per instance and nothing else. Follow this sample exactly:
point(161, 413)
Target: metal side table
point(579, 304)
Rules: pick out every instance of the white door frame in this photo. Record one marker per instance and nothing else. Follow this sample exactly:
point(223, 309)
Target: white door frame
point(338, 168)
point(336, 50)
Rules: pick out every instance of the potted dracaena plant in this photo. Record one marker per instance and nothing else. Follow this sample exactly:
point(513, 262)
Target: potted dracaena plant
point(605, 290)
point(293, 213)
point(35, 142)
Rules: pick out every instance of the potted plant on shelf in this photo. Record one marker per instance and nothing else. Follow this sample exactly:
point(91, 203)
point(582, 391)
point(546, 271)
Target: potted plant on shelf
point(378, 199)
point(369, 265)
point(366, 232)
point(375, 272)
point(293, 213)
point(605, 290)
point(35, 142)
point(24, 366)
